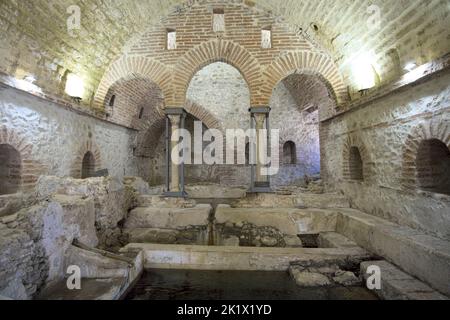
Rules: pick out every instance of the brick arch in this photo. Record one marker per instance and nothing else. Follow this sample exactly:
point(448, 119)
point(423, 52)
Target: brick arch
point(30, 168)
point(217, 50)
point(198, 111)
point(150, 132)
point(351, 142)
point(426, 131)
point(303, 62)
point(135, 66)
point(88, 146)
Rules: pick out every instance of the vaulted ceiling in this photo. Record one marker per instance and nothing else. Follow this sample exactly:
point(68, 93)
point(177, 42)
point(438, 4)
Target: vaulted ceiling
point(34, 36)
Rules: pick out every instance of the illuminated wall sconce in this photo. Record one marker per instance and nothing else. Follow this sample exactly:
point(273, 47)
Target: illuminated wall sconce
point(364, 74)
point(74, 87)
point(410, 66)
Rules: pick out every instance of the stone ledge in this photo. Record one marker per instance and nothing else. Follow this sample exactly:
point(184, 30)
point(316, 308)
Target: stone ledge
point(168, 218)
point(289, 221)
point(238, 258)
point(423, 256)
point(397, 285)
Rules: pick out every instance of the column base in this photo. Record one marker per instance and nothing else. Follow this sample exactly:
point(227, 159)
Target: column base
point(261, 187)
point(180, 194)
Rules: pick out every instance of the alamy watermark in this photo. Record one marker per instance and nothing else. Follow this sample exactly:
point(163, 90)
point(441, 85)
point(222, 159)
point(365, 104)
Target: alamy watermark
point(74, 20)
point(374, 279)
point(74, 280)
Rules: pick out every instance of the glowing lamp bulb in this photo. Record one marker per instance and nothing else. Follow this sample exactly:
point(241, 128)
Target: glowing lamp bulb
point(74, 86)
point(364, 73)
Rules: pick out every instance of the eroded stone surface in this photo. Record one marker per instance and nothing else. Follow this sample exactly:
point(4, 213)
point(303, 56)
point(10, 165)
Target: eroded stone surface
point(397, 285)
point(346, 278)
point(168, 218)
point(111, 201)
point(309, 279)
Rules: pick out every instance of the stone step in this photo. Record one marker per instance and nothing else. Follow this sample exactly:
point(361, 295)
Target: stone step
point(91, 289)
point(168, 218)
point(215, 192)
point(398, 285)
point(334, 240)
point(102, 277)
point(162, 202)
point(167, 236)
point(158, 256)
point(289, 221)
point(423, 256)
point(299, 200)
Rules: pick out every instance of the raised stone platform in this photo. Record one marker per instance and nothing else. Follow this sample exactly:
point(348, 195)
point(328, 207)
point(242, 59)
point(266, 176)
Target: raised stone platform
point(102, 277)
point(296, 200)
point(168, 218)
point(239, 258)
point(397, 285)
point(423, 256)
point(289, 221)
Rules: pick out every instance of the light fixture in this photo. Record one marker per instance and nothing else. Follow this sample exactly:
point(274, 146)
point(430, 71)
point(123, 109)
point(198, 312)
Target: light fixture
point(74, 86)
point(410, 66)
point(25, 82)
point(364, 73)
point(30, 78)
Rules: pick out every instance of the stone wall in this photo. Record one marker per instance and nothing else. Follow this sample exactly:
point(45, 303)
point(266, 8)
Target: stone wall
point(33, 242)
point(239, 45)
point(53, 140)
point(34, 239)
point(221, 89)
point(388, 133)
point(46, 48)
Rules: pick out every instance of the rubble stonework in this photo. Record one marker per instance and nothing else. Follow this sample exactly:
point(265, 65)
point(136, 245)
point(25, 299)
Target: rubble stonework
point(34, 240)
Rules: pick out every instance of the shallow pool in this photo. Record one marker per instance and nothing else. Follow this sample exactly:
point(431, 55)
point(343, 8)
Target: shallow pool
point(234, 285)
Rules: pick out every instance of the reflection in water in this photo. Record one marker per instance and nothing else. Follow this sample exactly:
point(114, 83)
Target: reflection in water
point(234, 285)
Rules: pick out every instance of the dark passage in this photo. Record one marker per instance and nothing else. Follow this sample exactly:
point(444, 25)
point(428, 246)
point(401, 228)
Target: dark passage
point(234, 285)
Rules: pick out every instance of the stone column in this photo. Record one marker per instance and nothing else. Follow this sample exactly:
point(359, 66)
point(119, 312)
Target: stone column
point(260, 121)
point(175, 167)
point(260, 139)
point(175, 119)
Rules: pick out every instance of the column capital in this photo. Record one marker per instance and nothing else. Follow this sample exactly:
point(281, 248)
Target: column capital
point(263, 110)
point(260, 118)
point(175, 120)
point(174, 111)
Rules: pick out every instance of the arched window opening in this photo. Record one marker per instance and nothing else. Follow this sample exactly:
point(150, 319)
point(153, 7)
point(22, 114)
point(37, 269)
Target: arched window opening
point(141, 112)
point(112, 100)
point(247, 153)
point(355, 165)
point(289, 153)
point(433, 166)
point(10, 169)
point(88, 166)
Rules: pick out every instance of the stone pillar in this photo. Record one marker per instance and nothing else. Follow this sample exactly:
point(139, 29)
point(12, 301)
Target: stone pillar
point(260, 139)
point(260, 120)
point(175, 118)
point(175, 167)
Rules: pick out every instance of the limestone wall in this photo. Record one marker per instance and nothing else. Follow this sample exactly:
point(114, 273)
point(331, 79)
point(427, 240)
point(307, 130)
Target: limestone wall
point(35, 238)
point(388, 132)
point(58, 138)
point(33, 242)
point(221, 89)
